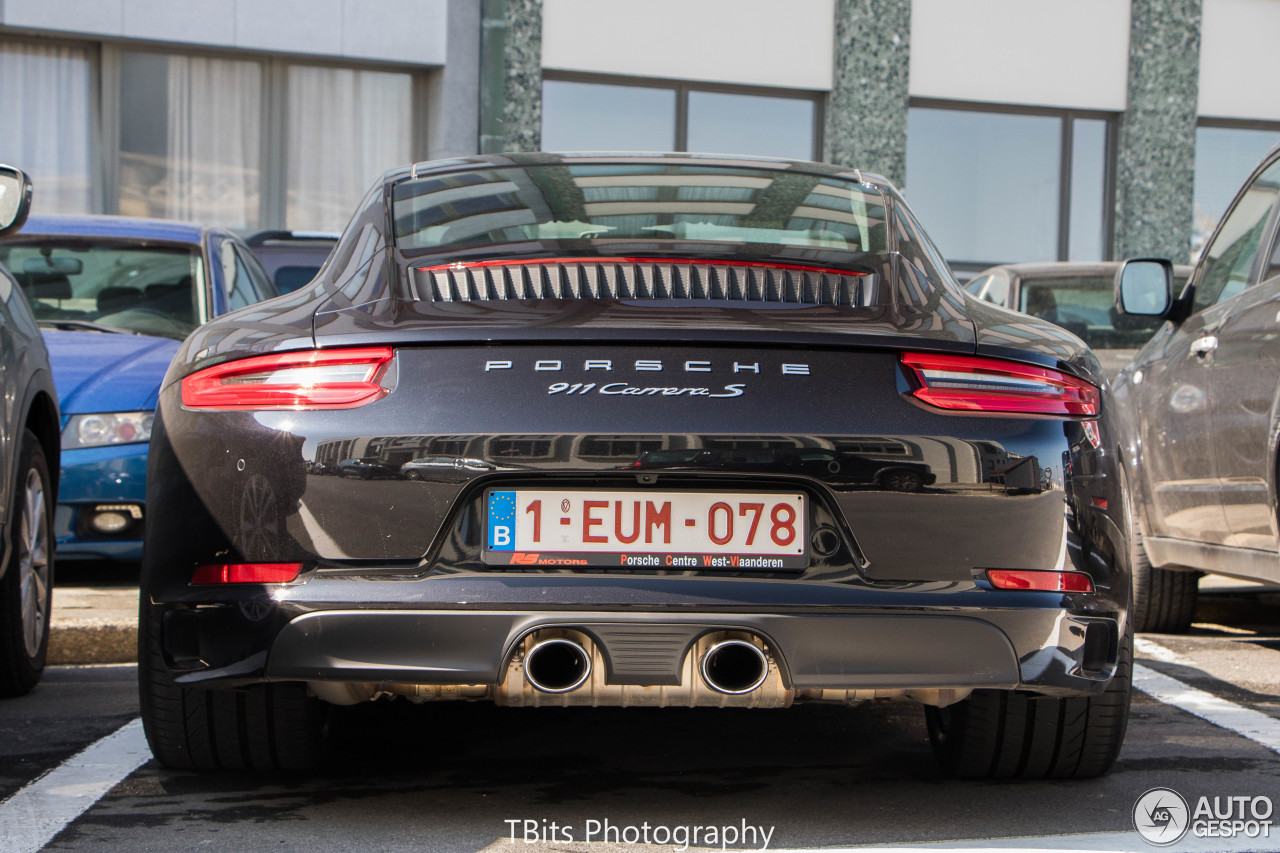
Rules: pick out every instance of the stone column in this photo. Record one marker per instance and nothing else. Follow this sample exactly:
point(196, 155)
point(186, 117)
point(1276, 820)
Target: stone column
point(867, 110)
point(511, 76)
point(1155, 160)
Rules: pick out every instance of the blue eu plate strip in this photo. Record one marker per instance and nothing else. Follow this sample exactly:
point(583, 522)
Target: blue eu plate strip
point(502, 521)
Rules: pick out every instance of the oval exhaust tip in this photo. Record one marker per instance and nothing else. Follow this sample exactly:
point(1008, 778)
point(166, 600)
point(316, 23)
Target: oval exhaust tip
point(734, 667)
point(557, 666)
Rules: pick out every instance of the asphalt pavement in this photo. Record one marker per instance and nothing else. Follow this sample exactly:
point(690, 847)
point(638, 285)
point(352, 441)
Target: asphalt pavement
point(75, 772)
point(95, 613)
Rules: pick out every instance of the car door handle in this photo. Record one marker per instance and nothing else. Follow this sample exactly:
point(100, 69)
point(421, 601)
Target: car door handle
point(1204, 346)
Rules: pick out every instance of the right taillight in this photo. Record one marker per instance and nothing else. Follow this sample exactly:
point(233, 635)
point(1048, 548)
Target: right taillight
point(1040, 580)
point(975, 384)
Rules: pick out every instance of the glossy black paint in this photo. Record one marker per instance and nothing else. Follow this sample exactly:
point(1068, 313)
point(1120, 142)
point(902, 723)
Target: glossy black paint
point(466, 386)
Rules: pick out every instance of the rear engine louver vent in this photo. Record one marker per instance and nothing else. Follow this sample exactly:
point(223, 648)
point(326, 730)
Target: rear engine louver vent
point(627, 278)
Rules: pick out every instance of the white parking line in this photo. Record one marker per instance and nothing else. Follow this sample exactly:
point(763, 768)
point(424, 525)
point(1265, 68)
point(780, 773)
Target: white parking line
point(1094, 842)
point(32, 817)
point(1246, 722)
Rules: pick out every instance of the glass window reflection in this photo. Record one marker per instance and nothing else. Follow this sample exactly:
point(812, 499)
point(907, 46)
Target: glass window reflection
point(723, 123)
point(988, 183)
point(605, 117)
point(1088, 190)
point(1224, 158)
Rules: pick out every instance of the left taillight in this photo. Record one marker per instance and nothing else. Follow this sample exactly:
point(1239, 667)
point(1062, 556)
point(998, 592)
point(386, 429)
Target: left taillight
point(314, 379)
point(976, 384)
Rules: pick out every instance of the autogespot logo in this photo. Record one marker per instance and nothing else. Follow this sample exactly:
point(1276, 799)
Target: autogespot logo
point(1161, 816)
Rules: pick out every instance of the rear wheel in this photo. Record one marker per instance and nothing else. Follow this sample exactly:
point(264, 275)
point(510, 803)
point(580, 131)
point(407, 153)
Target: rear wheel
point(1164, 600)
point(26, 590)
point(901, 481)
point(999, 734)
point(263, 727)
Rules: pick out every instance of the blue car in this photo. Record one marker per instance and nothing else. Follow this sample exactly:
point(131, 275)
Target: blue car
point(115, 296)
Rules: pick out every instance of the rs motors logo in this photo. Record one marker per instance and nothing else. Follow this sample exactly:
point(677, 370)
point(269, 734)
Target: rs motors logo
point(521, 559)
point(1161, 816)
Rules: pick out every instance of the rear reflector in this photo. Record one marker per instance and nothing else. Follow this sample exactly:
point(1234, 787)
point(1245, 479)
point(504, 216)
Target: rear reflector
point(246, 573)
point(974, 384)
point(1047, 581)
point(314, 379)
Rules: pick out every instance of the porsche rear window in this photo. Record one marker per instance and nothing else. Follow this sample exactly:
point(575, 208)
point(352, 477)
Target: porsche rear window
point(639, 203)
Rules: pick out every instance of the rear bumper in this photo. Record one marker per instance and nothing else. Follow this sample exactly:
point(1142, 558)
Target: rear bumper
point(821, 636)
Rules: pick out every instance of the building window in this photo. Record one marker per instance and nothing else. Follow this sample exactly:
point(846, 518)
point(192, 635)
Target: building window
point(345, 128)
point(197, 141)
point(1226, 154)
point(191, 138)
point(601, 117)
point(243, 141)
point(997, 185)
point(46, 112)
point(581, 113)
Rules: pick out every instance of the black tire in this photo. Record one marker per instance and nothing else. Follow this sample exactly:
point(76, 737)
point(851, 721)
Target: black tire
point(898, 480)
point(998, 734)
point(26, 590)
point(1164, 600)
point(263, 727)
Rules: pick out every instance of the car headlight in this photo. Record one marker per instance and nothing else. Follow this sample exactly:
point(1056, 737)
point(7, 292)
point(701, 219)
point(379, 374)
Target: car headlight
point(99, 430)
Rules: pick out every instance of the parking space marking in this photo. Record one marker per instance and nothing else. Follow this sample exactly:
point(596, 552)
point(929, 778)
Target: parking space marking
point(1246, 722)
point(1094, 842)
point(34, 815)
point(321, 542)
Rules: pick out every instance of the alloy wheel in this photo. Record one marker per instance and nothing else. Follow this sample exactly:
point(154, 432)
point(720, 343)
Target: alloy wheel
point(33, 563)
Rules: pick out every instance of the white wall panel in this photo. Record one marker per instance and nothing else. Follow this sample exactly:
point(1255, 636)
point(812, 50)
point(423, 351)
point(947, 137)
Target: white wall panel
point(209, 22)
point(302, 26)
point(747, 42)
point(402, 31)
point(412, 31)
point(1038, 52)
point(73, 16)
point(1237, 59)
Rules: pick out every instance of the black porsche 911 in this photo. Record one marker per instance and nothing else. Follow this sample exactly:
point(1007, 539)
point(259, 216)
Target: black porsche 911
point(547, 321)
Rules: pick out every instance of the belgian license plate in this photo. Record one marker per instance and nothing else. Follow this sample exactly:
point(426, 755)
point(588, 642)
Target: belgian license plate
point(660, 530)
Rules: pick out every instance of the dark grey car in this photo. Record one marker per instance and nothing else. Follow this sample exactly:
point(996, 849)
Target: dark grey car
point(28, 469)
point(1202, 409)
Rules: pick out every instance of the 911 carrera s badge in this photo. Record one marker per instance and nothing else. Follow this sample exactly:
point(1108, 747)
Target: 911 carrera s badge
point(731, 390)
point(593, 366)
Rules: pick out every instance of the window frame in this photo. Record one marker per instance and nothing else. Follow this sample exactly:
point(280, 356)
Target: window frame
point(1268, 242)
point(105, 70)
point(1067, 118)
point(682, 88)
point(1227, 124)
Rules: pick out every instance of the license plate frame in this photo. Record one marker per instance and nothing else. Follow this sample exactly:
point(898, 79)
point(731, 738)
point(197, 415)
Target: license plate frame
point(583, 528)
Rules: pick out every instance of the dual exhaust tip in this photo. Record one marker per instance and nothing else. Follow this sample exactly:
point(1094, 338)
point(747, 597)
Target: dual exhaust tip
point(560, 665)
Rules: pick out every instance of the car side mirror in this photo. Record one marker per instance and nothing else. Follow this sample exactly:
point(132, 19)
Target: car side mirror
point(1144, 287)
point(15, 199)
